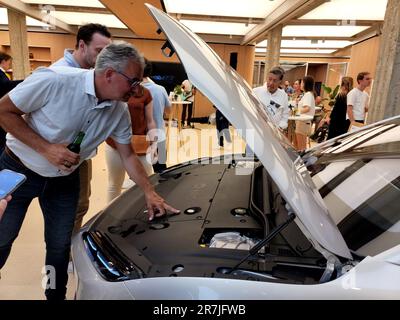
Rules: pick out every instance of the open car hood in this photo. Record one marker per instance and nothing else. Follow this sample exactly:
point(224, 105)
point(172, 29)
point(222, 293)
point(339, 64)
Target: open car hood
point(227, 90)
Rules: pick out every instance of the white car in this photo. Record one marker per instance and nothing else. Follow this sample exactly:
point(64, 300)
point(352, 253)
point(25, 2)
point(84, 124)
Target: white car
point(320, 225)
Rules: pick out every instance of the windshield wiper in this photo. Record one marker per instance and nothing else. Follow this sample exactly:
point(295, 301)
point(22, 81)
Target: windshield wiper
point(253, 251)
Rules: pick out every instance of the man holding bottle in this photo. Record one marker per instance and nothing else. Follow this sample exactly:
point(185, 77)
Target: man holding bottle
point(90, 40)
point(58, 103)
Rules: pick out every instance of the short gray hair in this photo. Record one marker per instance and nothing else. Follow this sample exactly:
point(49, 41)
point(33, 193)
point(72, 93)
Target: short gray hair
point(117, 55)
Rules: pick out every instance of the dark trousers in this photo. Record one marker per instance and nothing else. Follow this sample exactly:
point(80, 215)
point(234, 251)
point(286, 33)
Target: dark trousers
point(2, 139)
point(161, 164)
point(222, 128)
point(58, 198)
point(85, 177)
point(190, 113)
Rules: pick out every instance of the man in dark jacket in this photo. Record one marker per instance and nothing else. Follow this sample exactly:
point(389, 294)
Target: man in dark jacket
point(6, 85)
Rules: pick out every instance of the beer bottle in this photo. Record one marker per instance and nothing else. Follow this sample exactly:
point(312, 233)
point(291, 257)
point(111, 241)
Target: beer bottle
point(75, 146)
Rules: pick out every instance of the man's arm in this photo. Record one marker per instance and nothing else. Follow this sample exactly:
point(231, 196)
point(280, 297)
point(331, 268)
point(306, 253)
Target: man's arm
point(155, 204)
point(283, 124)
point(350, 113)
point(148, 114)
point(11, 120)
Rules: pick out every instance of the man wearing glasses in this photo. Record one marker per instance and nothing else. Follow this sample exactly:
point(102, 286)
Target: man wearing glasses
point(274, 99)
point(43, 115)
point(90, 40)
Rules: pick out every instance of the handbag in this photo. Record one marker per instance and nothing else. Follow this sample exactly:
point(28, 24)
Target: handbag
point(320, 134)
point(140, 144)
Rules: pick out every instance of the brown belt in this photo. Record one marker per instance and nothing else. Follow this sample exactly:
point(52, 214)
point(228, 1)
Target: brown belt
point(13, 156)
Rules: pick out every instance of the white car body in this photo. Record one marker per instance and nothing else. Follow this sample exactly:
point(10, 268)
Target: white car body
point(374, 276)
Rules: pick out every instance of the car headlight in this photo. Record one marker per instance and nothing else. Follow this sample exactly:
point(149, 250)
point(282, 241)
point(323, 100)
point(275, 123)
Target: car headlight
point(108, 260)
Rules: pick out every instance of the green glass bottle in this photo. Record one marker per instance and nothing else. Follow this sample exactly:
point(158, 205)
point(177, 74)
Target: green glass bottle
point(75, 146)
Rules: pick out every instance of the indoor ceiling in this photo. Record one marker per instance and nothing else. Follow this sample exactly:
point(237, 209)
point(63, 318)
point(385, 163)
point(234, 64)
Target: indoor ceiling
point(309, 26)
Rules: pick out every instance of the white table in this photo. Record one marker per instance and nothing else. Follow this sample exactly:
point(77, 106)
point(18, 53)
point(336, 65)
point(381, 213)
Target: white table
point(301, 117)
point(176, 111)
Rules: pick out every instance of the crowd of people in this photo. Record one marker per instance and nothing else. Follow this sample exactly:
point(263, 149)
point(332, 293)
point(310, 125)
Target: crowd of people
point(281, 99)
point(87, 91)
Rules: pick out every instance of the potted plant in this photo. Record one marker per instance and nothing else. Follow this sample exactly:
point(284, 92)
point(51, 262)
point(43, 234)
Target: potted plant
point(177, 91)
point(331, 94)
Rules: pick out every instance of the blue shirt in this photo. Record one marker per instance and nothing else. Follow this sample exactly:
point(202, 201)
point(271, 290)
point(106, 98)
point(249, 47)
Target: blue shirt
point(58, 102)
point(160, 101)
point(67, 61)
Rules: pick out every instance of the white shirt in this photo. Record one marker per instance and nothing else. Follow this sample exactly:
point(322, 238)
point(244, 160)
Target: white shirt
point(58, 102)
point(358, 99)
point(308, 100)
point(275, 104)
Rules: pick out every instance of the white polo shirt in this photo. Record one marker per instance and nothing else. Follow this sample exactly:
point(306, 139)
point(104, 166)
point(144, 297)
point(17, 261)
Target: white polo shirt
point(358, 99)
point(58, 102)
point(275, 104)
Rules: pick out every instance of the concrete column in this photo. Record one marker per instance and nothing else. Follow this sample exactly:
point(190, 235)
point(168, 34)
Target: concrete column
point(274, 38)
point(18, 44)
point(385, 95)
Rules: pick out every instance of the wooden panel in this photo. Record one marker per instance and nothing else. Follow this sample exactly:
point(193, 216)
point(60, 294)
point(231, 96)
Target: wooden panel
point(318, 72)
point(295, 74)
point(135, 16)
point(364, 57)
point(19, 48)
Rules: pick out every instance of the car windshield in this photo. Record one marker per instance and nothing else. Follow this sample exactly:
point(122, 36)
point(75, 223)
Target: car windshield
point(358, 177)
point(380, 140)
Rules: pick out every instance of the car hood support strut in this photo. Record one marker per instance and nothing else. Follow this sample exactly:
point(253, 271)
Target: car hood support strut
point(266, 240)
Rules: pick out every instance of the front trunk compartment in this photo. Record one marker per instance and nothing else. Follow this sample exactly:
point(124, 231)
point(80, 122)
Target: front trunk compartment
point(213, 200)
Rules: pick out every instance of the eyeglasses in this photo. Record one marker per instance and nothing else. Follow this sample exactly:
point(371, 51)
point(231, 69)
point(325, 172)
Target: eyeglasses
point(134, 82)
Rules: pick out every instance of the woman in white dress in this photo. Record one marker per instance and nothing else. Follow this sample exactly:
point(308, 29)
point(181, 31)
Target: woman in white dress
point(306, 106)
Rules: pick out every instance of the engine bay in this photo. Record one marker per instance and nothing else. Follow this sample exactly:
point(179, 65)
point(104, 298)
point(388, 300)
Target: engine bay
point(223, 215)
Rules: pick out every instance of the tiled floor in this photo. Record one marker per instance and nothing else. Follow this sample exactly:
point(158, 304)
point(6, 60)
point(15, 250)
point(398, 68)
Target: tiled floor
point(21, 277)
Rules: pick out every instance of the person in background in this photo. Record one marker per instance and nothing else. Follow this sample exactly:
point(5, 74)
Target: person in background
point(357, 99)
point(6, 85)
point(274, 100)
point(298, 92)
point(306, 106)
point(338, 124)
point(288, 88)
point(188, 93)
point(62, 101)
point(318, 113)
point(222, 125)
point(90, 40)
point(140, 107)
point(161, 105)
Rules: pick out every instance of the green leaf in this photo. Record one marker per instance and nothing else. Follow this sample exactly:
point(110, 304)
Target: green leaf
point(328, 90)
point(335, 92)
point(178, 89)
